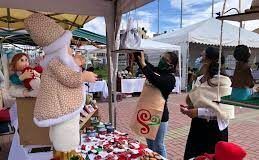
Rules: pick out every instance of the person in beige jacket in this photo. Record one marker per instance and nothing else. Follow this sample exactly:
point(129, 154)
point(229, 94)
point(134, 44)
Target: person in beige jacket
point(62, 95)
point(210, 120)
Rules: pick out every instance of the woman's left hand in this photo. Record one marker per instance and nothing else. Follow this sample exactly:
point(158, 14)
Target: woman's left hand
point(190, 112)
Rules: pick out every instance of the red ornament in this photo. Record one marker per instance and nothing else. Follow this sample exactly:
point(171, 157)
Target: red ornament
point(83, 147)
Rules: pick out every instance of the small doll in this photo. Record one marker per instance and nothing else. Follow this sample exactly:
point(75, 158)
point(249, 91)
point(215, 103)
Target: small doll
point(242, 82)
point(24, 74)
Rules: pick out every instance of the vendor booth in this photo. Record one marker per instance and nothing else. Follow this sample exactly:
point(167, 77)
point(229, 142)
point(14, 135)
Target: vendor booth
point(112, 11)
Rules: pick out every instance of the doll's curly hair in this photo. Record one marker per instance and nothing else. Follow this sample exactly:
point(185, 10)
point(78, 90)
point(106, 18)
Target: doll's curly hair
point(15, 59)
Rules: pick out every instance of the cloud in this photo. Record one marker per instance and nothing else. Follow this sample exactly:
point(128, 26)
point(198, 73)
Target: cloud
point(192, 15)
point(187, 3)
point(141, 19)
point(96, 25)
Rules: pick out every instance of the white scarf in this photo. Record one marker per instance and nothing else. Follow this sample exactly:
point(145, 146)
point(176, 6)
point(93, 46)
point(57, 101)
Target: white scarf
point(59, 50)
point(203, 95)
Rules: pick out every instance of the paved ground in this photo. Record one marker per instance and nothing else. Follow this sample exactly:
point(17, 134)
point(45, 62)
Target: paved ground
point(244, 130)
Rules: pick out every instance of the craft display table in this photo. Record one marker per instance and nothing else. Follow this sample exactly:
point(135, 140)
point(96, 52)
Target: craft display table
point(112, 146)
point(98, 86)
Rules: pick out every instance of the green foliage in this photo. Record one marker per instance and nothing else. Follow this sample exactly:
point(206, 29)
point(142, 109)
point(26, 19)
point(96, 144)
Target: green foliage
point(102, 71)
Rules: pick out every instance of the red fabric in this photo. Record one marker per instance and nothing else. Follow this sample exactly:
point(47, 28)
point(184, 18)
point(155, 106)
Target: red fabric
point(225, 151)
point(229, 151)
point(26, 82)
point(206, 157)
point(4, 115)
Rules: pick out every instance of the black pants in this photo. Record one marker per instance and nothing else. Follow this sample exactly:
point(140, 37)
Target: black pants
point(202, 138)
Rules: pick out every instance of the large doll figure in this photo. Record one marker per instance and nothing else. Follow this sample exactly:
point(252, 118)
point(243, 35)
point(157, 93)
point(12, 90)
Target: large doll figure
point(62, 95)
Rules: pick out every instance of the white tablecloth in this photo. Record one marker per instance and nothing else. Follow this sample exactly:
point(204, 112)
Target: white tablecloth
point(177, 88)
point(132, 85)
point(136, 85)
point(19, 152)
point(98, 86)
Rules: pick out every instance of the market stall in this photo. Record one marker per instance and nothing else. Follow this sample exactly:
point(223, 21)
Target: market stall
point(112, 10)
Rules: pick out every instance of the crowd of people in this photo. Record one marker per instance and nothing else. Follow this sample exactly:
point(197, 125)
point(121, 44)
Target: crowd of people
point(210, 120)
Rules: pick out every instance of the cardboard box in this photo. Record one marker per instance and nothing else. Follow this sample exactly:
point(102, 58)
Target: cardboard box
point(29, 133)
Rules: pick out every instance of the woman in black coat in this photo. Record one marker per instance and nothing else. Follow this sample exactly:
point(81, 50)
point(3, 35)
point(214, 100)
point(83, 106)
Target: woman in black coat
point(162, 77)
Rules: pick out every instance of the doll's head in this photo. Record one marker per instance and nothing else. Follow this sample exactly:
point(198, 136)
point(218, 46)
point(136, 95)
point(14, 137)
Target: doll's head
point(242, 53)
point(19, 62)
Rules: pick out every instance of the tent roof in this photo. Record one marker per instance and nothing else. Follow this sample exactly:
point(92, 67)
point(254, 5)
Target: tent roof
point(78, 7)
point(24, 39)
point(208, 32)
point(147, 44)
point(12, 19)
point(81, 33)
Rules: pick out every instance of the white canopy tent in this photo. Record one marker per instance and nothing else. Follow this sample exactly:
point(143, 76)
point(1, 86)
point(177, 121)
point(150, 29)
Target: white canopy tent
point(112, 10)
point(146, 45)
point(154, 49)
point(207, 32)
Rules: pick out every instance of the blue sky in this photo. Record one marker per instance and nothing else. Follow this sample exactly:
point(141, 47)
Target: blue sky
point(194, 11)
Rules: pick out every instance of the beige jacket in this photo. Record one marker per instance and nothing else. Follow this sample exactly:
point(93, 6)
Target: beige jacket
point(61, 96)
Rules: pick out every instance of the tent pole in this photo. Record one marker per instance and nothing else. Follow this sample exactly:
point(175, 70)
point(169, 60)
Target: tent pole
point(180, 68)
point(108, 55)
point(187, 65)
point(220, 49)
point(117, 23)
point(181, 22)
point(115, 60)
point(240, 24)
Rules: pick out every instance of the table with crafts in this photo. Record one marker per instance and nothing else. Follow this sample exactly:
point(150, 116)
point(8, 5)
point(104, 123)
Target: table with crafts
point(136, 85)
point(99, 141)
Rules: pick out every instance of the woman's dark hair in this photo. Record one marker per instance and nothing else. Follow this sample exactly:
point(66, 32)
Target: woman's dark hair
point(174, 61)
point(212, 55)
point(241, 53)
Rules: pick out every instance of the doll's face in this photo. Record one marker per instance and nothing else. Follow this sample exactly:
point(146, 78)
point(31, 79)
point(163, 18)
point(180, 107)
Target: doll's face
point(22, 63)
